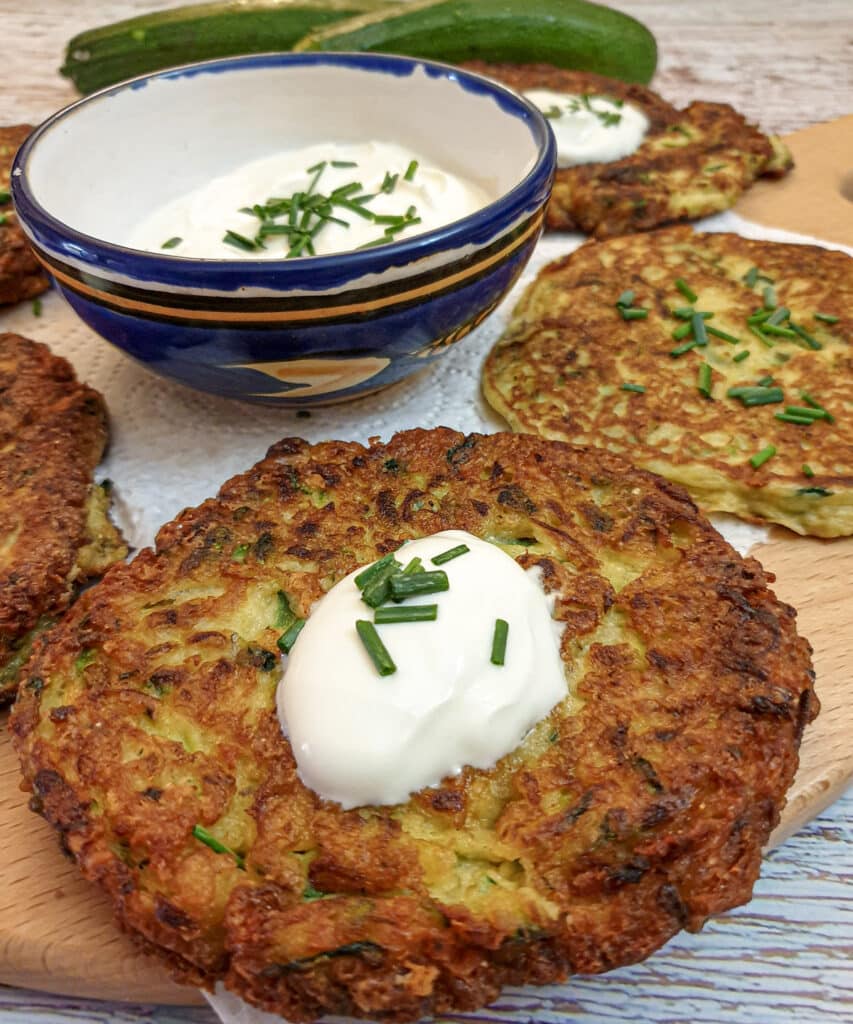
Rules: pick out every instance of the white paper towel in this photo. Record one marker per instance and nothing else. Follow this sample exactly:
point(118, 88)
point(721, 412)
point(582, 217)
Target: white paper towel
point(172, 447)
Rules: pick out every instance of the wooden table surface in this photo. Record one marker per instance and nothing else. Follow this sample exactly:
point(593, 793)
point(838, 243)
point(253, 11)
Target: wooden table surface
point(788, 955)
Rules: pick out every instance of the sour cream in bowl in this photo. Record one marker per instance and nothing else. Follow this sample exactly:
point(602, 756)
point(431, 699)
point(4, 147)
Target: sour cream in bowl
point(292, 229)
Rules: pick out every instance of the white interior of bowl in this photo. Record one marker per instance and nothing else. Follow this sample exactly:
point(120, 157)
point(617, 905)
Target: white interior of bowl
point(107, 164)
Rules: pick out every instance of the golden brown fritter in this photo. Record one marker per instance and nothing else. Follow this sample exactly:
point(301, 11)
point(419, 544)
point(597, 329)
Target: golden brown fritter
point(638, 807)
point(692, 162)
point(560, 368)
point(21, 275)
point(54, 529)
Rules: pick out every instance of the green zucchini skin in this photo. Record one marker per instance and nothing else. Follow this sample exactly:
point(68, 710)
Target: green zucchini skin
point(109, 54)
point(566, 33)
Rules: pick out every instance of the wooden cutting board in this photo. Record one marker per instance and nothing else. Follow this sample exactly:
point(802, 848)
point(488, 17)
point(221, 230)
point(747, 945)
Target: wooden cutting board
point(56, 931)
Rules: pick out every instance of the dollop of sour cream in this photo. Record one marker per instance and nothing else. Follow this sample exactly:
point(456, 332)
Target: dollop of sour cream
point(590, 129)
point(397, 183)
point(361, 738)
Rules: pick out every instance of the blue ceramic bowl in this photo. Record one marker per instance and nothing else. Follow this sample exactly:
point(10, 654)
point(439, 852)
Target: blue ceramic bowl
point(290, 332)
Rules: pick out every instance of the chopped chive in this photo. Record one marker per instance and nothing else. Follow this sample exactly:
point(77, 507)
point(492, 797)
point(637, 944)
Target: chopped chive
point(681, 349)
point(372, 571)
point(812, 343)
point(406, 613)
point(344, 163)
point(722, 334)
point(681, 331)
point(750, 277)
point(422, 583)
point(344, 191)
point(316, 170)
point(287, 639)
point(375, 648)
point(807, 470)
point(770, 300)
point(808, 410)
point(759, 316)
point(283, 614)
point(697, 322)
point(761, 337)
point(704, 380)
point(626, 299)
point(764, 382)
point(778, 315)
point(446, 556)
point(36, 307)
point(638, 388)
point(685, 289)
point(499, 638)
point(786, 417)
point(353, 207)
point(5, 196)
point(389, 183)
point(203, 836)
point(750, 396)
point(761, 457)
point(688, 312)
point(172, 242)
point(827, 318)
point(782, 332)
point(378, 590)
point(239, 241)
point(413, 567)
point(410, 170)
point(633, 313)
point(740, 356)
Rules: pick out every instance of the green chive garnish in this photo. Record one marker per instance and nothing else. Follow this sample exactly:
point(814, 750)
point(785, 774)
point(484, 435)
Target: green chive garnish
point(638, 388)
point(368, 574)
point(389, 182)
point(769, 294)
point(499, 642)
point(375, 648)
point(170, 243)
point(750, 396)
point(765, 382)
point(344, 163)
point(422, 583)
point(203, 836)
point(827, 318)
point(681, 349)
point(239, 241)
point(778, 315)
point(633, 313)
point(410, 170)
point(626, 299)
point(5, 196)
point(740, 356)
point(759, 316)
point(761, 457)
point(36, 307)
point(414, 566)
point(808, 410)
point(685, 289)
point(722, 334)
point(751, 277)
point(803, 421)
point(288, 638)
point(682, 331)
point(697, 322)
point(406, 613)
point(378, 590)
point(446, 556)
point(761, 337)
point(782, 332)
point(807, 470)
point(812, 343)
point(704, 380)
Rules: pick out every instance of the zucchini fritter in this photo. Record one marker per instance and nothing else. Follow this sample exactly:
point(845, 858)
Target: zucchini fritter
point(54, 530)
point(638, 807)
point(21, 275)
point(571, 353)
point(692, 162)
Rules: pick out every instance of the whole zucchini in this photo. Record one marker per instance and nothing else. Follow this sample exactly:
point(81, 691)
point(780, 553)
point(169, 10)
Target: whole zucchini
point(567, 33)
point(151, 42)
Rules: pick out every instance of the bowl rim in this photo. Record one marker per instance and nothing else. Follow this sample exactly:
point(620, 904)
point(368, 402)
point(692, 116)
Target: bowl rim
point(153, 266)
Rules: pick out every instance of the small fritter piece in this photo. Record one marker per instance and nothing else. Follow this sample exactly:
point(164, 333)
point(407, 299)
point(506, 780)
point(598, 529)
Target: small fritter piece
point(655, 381)
point(21, 275)
point(692, 162)
point(638, 807)
point(54, 530)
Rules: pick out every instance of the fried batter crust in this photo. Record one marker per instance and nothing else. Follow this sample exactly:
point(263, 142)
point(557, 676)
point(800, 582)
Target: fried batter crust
point(638, 807)
point(559, 368)
point(21, 275)
point(53, 535)
point(692, 162)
